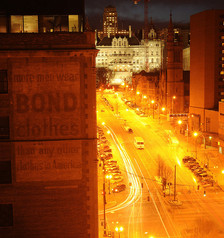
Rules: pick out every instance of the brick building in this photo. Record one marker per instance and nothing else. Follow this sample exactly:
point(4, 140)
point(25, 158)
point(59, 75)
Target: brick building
point(48, 167)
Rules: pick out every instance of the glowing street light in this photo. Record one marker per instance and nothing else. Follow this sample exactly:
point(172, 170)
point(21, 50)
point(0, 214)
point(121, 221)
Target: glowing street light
point(119, 229)
point(173, 98)
point(153, 102)
point(195, 134)
point(180, 123)
point(109, 177)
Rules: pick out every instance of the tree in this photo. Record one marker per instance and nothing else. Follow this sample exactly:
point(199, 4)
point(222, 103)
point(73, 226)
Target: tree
point(103, 76)
point(164, 171)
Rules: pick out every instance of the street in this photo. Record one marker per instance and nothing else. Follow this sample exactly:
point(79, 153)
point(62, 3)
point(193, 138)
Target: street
point(147, 207)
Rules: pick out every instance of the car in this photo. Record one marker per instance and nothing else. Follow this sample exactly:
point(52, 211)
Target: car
point(202, 175)
point(108, 150)
point(111, 162)
point(198, 171)
point(143, 115)
point(119, 188)
point(116, 179)
point(109, 155)
point(128, 129)
point(195, 167)
point(188, 158)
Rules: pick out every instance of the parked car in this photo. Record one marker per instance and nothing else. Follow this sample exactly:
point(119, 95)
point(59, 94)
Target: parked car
point(188, 158)
point(111, 162)
point(119, 188)
point(116, 179)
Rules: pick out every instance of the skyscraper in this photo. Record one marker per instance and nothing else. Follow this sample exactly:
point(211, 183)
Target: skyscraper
point(110, 25)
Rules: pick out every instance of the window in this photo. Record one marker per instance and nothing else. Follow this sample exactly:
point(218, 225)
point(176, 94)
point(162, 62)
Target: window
point(4, 127)
point(3, 24)
point(30, 24)
point(6, 215)
point(24, 24)
point(5, 172)
point(3, 81)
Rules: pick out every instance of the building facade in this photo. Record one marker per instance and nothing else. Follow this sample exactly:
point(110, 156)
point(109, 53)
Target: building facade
point(207, 68)
point(110, 24)
point(48, 166)
point(125, 55)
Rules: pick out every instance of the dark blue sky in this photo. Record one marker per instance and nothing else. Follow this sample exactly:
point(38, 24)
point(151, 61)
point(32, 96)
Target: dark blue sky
point(159, 10)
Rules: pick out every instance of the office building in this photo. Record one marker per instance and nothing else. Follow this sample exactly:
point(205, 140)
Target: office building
point(110, 24)
point(206, 69)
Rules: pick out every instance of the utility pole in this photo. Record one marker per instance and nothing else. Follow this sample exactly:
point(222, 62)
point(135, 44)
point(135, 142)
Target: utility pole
point(174, 194)
point(104, 203)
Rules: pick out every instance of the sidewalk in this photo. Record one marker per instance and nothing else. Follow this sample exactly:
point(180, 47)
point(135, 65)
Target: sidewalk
point(208, 156)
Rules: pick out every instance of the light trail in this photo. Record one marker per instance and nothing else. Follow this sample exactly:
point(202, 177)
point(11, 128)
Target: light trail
point(135, 190)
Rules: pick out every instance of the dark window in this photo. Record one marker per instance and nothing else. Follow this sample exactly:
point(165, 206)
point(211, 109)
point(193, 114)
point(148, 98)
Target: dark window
point(5, 172)
point(4, 127)
point(6, 215)
point(3, 81)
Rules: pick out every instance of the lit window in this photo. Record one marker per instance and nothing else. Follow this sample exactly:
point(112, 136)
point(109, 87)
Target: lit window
point(31, 24)
point(222, 72)
point(16, 24)
point(73, 23)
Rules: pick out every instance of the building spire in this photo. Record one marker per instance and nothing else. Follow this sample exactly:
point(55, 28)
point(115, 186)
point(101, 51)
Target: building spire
point(170, 29)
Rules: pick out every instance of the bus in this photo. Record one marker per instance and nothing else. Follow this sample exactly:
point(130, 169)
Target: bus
point(139, 142)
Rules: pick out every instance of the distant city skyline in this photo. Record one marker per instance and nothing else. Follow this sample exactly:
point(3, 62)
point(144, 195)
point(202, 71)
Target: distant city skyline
point(131, 14)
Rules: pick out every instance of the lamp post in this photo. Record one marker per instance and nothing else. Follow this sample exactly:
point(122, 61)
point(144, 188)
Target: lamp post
point(180, 123)
point(104, 204)
point(109, 177)
point(153, 108)
point(173, 98)
point(119, 230)
point(137, 93)
point(195, 135)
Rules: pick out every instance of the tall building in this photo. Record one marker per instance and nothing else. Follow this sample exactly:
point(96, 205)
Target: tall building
point(174, 65)
point(110, 24)
point(48, 165)
point(206, 69)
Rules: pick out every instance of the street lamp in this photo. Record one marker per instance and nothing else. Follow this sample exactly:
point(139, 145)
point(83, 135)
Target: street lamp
point(153, 108)
point(180, 123)
point(173, 98)
point(195, 134)
point(109, 177)
point(119, 230)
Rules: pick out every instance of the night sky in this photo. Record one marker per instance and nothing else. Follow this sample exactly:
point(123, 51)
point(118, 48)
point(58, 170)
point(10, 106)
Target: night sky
point(159, 10)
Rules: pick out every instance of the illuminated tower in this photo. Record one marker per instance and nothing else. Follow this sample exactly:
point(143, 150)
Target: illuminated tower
point(110, 25)
point(175, 83)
